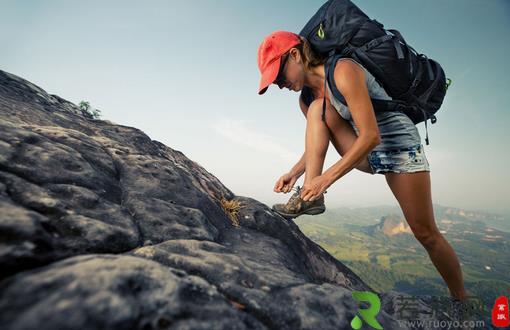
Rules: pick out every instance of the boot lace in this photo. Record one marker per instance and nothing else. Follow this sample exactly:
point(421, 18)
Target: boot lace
point(297, 190)
point(297, 195)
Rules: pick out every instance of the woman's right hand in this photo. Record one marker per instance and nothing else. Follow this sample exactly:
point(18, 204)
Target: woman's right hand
point(285, 183)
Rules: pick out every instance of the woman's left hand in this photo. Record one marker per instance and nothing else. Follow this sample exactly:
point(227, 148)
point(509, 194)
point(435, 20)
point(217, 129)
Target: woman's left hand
point(312, 190)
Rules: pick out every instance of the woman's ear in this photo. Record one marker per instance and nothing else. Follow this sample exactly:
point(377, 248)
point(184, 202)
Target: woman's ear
point(296, 55)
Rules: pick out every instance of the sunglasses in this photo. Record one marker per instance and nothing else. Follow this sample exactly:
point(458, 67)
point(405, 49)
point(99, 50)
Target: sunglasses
point(280, 78)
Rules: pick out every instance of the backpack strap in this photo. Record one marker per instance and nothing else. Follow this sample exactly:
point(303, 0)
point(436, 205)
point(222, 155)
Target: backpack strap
point(324, 100)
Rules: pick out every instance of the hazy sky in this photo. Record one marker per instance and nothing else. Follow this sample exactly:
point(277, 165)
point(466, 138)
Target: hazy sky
point(185, 73)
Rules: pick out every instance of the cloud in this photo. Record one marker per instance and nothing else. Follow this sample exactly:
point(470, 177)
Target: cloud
point(239, 131)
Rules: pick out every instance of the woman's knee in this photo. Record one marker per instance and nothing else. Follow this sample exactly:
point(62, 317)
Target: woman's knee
point(427, 236)
point(315, 111)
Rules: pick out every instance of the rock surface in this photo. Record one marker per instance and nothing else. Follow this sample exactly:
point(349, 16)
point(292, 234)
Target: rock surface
point(103, 228)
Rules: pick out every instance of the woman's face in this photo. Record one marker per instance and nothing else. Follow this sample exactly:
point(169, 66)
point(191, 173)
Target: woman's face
point(292, 73)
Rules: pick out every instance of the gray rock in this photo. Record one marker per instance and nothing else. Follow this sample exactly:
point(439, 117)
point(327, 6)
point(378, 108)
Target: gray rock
point(115, 292)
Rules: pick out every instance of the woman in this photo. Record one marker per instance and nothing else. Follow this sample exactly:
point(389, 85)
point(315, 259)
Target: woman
point(385, 143)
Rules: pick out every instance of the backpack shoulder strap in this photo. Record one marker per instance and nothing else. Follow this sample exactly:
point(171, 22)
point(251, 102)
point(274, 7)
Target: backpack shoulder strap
point(329, 68)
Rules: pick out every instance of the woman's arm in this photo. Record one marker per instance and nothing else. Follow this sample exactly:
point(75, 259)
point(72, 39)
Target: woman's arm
point(350, 81)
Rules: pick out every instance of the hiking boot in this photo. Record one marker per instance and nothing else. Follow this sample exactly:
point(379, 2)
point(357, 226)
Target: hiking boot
point(297, 206)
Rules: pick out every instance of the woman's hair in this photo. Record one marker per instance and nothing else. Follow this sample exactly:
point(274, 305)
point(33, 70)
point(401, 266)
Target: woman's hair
point(310, 58)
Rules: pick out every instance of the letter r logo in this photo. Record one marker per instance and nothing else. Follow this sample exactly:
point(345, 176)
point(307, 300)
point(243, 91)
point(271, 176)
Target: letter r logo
point(368, 315)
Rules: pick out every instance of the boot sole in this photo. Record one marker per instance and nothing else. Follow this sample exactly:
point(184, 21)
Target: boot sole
point(310, 211)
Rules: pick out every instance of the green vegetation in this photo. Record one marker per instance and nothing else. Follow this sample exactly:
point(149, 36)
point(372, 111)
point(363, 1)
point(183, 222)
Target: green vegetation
point(85, 106)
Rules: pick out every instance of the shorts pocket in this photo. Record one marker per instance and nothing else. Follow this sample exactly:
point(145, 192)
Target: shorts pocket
point(394, 159)
point(403, 158)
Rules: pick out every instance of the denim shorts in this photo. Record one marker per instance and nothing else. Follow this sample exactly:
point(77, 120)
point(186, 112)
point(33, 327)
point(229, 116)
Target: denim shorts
point(405, 160)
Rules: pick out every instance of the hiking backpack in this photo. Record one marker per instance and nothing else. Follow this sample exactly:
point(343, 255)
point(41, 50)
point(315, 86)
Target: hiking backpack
point(416, 83)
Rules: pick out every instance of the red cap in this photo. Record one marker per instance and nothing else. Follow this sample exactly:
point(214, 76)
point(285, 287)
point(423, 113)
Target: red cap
point(269, 55)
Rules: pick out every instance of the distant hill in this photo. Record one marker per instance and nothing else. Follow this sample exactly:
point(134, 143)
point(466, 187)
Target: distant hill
point(390, 225)
point(371, 215)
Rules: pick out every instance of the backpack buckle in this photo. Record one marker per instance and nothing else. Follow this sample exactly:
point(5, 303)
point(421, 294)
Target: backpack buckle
point(347, 50)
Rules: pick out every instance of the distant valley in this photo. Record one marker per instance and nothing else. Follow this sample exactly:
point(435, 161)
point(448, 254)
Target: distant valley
point(377, 243)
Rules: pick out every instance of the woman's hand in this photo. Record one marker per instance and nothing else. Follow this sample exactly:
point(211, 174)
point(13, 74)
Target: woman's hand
point(318, 185)
point(285, 183)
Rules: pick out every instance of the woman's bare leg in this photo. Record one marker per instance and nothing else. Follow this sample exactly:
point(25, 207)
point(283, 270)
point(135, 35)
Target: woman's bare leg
point(316, 141)
point(413, 193)
point(318, 135)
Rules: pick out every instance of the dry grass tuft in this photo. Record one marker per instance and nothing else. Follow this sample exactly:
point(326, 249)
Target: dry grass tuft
point(231, 208)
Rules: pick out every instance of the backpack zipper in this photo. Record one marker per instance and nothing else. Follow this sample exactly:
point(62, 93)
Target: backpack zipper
point(320, 31)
